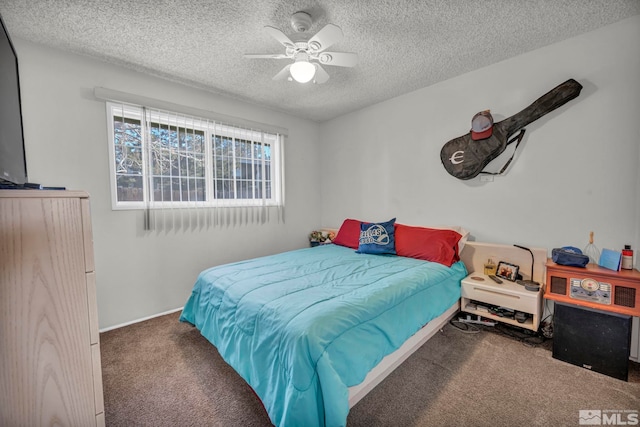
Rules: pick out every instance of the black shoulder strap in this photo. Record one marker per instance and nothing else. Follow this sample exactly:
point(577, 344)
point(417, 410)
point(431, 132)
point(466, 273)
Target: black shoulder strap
point(517, 138)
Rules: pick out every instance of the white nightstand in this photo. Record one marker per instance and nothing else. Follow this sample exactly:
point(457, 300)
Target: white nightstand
point(481, 288)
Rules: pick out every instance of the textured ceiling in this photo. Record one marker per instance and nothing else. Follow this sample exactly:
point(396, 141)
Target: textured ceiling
point(403, 45)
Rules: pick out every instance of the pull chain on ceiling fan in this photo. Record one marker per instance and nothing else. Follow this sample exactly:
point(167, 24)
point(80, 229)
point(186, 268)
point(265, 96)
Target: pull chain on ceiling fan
point(302, 52)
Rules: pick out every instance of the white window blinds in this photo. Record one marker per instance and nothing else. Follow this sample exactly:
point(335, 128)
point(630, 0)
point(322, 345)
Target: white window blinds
point(188, 171)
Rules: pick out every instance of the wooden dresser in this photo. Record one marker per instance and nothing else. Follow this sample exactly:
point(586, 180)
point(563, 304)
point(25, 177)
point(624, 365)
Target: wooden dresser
point(50, 371)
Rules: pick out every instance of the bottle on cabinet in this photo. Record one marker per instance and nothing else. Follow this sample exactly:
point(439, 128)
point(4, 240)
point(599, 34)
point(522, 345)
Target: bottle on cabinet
point(627, 258)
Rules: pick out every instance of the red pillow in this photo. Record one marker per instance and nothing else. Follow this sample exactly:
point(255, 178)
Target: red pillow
point(428, 244)
point(349, 234)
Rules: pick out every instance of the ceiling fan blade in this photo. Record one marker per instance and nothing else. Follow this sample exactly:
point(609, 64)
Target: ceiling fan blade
point(283, 74)
point(321, 75)
point(280, 36)
point(340, 59)
point(266, 55)
point(327, 36)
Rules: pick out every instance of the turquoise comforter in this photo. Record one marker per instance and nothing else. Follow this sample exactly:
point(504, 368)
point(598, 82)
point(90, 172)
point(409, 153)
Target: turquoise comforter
point(302, 326)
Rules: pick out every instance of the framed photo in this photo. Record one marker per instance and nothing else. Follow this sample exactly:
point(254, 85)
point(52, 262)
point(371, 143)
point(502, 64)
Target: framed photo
point(507, 271)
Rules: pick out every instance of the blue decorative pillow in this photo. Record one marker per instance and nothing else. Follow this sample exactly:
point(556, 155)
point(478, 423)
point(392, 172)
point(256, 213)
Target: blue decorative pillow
point(377, 238)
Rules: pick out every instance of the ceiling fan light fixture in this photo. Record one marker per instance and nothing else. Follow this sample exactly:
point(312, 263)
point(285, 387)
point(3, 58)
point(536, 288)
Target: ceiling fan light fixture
point(304, 50)
point(302, 71)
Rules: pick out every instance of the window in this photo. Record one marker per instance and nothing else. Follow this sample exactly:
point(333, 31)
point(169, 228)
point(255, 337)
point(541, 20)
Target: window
point(162, 159)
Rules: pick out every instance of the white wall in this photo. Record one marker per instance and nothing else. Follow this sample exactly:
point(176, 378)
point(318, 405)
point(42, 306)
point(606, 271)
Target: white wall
point(576, 170)
point(142, 273)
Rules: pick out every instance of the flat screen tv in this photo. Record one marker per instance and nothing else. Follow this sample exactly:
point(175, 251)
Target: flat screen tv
point(13, 165)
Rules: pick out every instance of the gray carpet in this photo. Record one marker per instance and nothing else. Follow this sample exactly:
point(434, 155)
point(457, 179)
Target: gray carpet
point(164, 373)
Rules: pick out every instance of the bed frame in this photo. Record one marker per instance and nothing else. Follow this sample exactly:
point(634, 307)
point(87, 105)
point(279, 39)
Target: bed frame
point(473, 255)
point(390, 362)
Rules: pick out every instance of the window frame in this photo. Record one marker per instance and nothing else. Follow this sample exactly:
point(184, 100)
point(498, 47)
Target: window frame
point(211, 129)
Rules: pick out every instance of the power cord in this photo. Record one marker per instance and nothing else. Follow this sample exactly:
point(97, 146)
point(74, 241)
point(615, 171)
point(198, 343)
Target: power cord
point(530, 339)
point(526, 337)
point(546, 326)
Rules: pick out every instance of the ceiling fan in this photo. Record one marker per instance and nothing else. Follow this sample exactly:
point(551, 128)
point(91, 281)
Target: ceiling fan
point(302, 51)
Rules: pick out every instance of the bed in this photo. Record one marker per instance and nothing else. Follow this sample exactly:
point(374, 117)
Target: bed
point(313, 330)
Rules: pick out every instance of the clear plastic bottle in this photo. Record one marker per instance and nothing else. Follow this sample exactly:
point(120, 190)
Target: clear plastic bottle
point(627, 258)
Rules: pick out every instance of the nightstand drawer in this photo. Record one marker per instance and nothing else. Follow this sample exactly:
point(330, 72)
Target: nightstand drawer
point(506, 294)
point(497, 296)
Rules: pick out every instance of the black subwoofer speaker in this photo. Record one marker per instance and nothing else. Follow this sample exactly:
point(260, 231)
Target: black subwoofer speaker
point(592, 339)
